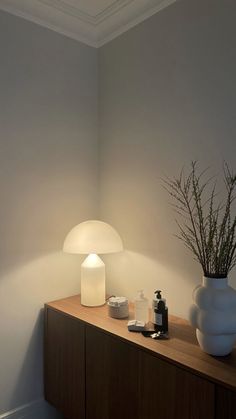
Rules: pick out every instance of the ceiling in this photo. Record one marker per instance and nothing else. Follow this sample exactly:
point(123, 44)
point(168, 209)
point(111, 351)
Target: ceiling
point(93, 22)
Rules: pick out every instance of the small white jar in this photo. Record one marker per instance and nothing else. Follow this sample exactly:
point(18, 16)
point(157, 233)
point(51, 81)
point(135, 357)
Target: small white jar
point(118, 307)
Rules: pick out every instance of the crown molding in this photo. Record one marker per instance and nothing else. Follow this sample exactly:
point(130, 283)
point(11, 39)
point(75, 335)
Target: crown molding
point(52, 19)
point(94, 29)
point(93, 19)
point(131, 18)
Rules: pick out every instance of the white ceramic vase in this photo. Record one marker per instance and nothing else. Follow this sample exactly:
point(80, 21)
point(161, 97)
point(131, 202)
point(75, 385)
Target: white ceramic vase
point(214, 316)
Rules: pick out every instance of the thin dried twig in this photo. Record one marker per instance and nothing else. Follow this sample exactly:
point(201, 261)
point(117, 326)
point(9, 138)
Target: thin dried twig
point(207, 228)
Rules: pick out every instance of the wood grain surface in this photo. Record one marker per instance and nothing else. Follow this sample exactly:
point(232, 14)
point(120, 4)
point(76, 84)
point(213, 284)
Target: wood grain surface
point(112, 377)
point(225, 403)
point(181, 349)
point(64, 358)
point(167, 391)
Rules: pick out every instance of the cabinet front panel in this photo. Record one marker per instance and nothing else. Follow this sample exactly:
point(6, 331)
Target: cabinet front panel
point(65, 364)
point(225, 403)
point(111, 377)
point(168, 392)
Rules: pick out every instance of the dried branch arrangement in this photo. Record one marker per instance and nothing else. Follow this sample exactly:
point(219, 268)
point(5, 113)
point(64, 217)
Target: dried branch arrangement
point(206, 227)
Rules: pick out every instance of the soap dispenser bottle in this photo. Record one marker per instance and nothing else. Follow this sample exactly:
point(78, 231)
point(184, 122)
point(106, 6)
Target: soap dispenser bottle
point(160, 313)
point(141, 307)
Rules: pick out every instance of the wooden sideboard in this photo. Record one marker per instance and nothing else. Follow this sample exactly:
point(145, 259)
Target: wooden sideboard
point(96, 369)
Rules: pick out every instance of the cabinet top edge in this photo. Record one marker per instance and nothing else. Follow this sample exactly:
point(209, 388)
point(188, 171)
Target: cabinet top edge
point(181, 349)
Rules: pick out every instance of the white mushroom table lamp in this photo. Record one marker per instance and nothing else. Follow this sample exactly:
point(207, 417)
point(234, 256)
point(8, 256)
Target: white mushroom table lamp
point(92, 237)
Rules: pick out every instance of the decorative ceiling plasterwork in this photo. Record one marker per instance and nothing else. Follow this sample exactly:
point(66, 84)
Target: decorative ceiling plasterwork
point(93, 22)
point(93, 19)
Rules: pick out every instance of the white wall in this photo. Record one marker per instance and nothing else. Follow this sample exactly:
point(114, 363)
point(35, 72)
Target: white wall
point(48, 183)
point(167, 96)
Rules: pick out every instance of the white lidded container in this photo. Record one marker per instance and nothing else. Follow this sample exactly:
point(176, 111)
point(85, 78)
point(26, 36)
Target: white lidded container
point(141, 312)
point(118, 307)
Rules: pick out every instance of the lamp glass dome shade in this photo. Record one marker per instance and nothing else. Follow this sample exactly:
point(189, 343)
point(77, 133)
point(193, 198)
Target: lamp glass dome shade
point(93, 236)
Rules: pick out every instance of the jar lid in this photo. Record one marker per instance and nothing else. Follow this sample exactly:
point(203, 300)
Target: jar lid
point(117, 301)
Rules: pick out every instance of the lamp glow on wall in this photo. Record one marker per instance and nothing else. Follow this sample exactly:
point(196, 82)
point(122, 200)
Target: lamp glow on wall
point(92, 237)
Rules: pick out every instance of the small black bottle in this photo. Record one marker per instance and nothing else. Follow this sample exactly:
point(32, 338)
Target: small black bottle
point(160, 313)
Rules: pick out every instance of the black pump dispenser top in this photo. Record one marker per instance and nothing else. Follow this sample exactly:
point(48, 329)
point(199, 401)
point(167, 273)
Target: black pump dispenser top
point(158, 294)
point(160, 313)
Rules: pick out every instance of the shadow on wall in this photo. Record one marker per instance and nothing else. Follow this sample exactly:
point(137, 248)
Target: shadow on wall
point(30, 372)
point(23, 293)
point(154, 257)
point(129, 271)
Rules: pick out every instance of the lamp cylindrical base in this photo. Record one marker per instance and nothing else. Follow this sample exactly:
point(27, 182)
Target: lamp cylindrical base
point(93, 281)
